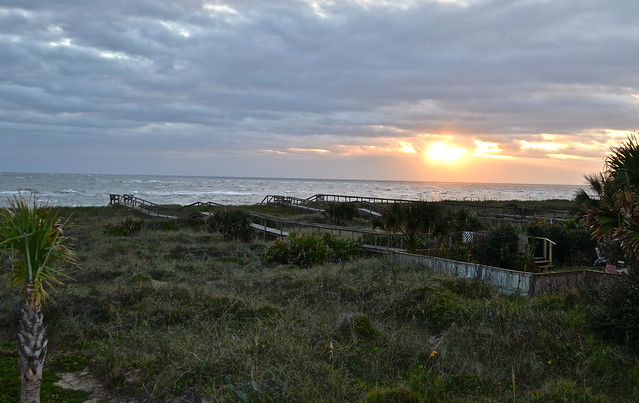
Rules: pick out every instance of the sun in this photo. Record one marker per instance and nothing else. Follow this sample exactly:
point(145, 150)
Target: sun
point(444, 153)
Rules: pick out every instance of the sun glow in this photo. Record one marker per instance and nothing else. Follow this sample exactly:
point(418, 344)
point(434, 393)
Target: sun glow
point(407, 147)
point(442, 152)
point(540, 145)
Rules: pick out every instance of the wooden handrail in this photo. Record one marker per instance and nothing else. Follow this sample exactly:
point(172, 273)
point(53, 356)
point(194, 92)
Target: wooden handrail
point(547, 248)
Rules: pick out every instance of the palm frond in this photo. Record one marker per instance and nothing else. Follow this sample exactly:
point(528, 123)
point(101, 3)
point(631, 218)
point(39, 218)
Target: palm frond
point(32, 236)
point(623, 163)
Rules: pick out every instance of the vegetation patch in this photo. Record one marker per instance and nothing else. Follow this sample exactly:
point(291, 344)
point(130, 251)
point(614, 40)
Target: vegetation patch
point(10, 384)
point(128, 227)
point(182, 314)
point(306, 250)
point(615, 310)
point(233, 224)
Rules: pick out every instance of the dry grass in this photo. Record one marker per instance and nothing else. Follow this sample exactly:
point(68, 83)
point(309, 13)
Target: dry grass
point(173, 311)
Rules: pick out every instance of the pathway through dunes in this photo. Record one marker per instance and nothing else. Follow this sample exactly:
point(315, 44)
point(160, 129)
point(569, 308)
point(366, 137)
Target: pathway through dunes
point(265, 224)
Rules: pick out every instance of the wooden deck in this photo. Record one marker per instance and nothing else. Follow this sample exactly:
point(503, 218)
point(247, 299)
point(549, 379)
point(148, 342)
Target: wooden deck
point(270, 231)
point(138, 204)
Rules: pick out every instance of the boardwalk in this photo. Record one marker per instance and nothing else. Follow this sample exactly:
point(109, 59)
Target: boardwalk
point(270, 231)
point(136, 203)
point(262, 223)
point(374, 207)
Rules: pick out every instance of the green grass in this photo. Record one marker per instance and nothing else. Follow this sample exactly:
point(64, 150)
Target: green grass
point(171, 313)
point(49, 392)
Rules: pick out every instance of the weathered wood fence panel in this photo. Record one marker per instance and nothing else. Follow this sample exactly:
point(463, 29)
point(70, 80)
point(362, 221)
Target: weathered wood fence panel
point(509, 282)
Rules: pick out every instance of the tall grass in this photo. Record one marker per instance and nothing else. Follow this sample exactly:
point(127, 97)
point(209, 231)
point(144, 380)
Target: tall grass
point(177, 312)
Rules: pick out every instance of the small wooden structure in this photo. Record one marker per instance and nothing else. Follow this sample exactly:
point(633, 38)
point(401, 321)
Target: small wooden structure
point(543, 262)
point(136, 203)
point(270, 231)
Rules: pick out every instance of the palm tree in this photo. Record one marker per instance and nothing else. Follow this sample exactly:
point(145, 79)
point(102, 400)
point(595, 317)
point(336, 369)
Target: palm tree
point(612, 213)
point(623, 164)
point(32, 237)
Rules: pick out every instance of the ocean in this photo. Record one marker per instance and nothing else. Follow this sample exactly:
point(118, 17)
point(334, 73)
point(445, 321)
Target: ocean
point(93, 190)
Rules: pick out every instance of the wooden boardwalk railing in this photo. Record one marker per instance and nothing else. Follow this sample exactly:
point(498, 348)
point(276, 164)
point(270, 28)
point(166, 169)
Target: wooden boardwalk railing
point(376, 238)
point(328, 198)
point(142, 205)
point(130, 201)
point(151, 208)
point(509, 213)
point(265, 224)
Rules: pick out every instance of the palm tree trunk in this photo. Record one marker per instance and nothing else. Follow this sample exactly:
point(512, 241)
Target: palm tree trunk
point(32, 349)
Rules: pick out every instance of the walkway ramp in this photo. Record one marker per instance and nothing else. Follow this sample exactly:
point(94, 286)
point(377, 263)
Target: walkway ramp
point(270, 231)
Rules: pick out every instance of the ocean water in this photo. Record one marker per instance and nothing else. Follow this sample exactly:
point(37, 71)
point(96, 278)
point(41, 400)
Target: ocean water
point(94, 190)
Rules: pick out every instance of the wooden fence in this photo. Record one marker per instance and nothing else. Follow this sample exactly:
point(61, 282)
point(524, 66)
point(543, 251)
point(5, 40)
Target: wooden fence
point(505, 281)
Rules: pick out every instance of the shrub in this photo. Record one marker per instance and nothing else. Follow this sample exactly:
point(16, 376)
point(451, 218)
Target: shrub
point(575, 245)
point(435, 307)
point(129, 226)
point(308, 250)
point(350, 326)
point(415, 220)
point(232, 224)
point(499, 247)
point(341, 249)
point(616, 315)
point(461, 252)
point(340, 213)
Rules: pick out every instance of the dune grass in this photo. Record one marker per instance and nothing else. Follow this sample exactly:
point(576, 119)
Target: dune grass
point(172, 311)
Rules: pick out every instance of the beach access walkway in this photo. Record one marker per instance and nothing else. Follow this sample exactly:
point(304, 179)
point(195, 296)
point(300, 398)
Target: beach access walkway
point(270, 226)
point(266, 225)
point(156, 210)
point(374, 207)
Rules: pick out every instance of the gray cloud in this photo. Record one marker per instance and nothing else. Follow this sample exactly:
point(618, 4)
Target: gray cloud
point(242, 76)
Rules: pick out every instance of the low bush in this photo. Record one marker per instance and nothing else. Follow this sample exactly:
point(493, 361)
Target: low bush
point(616, 309)
point(341, 213)
point(574, 244)
point(461, 252)
point(355, 326)
point(129, 226)
point(233, 224)
point(499, 247)
point(308, 250)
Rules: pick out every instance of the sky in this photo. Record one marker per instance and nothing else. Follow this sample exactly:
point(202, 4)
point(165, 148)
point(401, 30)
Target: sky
point(492, 91)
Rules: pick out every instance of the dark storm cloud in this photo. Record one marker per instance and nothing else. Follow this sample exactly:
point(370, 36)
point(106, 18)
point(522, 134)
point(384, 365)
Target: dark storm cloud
point(241, 75)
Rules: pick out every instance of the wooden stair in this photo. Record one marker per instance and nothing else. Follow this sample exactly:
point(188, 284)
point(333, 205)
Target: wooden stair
point(542, 264)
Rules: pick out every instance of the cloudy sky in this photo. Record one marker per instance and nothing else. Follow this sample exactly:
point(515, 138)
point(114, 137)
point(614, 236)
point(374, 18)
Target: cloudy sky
point(524, 91)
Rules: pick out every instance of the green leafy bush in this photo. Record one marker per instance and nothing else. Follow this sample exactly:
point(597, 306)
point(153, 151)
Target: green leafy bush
point(461, 252)
point(415, 220)
point(232, 224)
point(129, 226)
point(435, 307)
point(575, 245)
point(616, 313)
point(350, 326)
point(307, 250)
point(499, 247)
point(341, 213)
